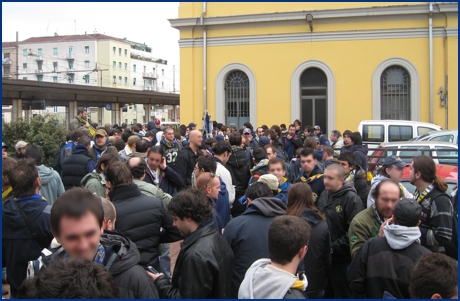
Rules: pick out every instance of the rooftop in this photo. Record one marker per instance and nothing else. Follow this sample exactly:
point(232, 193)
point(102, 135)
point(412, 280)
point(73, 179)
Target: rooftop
point(71, 38)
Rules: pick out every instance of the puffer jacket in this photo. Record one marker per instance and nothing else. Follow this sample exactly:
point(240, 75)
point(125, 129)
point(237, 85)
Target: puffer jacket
point(360, 154)
point(203, 268)
point(95, 183)
point(317, 261)
point(140, 218)
point(248, 236)
point(238, 165)
point(131, 278)
point(340, 208)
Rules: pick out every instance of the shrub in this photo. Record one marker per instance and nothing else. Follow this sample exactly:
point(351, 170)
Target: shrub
point(45, 131)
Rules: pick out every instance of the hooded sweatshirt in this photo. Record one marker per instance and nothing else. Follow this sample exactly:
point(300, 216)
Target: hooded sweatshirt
point(265, 281)
point(375, 181)
point(248, 236)
point(360, 154)
point(52, 186)
point(238, 165)
point(400, 237)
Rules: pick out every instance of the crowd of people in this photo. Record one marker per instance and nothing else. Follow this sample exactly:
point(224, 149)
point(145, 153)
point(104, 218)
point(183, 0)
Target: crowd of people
point(279, 212)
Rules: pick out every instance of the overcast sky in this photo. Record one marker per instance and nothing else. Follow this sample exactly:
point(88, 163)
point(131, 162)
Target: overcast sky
point(140, 22)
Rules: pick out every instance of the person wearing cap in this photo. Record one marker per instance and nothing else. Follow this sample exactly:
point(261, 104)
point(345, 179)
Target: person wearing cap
point(274, 184)
point(247, 234)
point(4, 150)
point(231, 128)
point(393, 169)
point(101, 146)
point(191, 126)
point(129, 148)
point(80, 163)
point(322, 138)
point(370, 222)
point(384, 264)
point(20, 148)
point(248, 135)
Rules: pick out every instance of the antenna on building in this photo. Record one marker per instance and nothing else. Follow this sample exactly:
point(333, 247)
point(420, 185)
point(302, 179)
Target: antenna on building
point(47, 27)
point(75, 32)
point(174, 79)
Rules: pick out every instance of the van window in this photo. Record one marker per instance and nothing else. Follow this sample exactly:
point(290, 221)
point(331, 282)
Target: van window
point(409, 152)
point(399, 133)
point(373, 133)
point(421, 130)
point(444, 138)
point(444, 151)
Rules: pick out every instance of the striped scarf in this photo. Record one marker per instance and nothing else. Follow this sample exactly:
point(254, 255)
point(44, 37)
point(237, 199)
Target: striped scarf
point(351, 177)
point(419, 196)
point(168, 143)
point(98, 258)
point(312, 179)
point(283, 185)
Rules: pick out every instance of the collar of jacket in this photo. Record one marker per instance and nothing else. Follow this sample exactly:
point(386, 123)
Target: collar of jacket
point(124, 192)
point(205, 229)
point(30, 198)
point(218, 160)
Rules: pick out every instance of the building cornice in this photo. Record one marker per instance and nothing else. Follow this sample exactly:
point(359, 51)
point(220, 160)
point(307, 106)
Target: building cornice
point(320, 36)
point(321, 16)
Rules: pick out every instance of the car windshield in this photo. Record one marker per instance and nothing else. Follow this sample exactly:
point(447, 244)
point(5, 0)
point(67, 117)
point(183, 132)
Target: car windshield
point(411, 188)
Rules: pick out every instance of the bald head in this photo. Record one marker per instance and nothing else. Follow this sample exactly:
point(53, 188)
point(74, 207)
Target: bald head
point(134, 161)
point(337, 169)
point(110, 214)
point(137, 166)
point(196, 138)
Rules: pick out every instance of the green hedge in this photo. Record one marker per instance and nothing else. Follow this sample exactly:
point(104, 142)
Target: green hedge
point(45, 131)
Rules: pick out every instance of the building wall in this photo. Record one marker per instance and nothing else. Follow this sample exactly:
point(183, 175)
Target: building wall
point(106, 57)
point(352, 49)
point(9, 65)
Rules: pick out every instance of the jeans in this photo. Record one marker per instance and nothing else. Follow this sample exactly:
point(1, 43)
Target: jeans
point(338, 287)
point(165, 260)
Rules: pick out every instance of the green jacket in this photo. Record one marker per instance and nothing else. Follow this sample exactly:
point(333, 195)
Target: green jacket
point(363, 227)
point(94, 183)
point(152, 190)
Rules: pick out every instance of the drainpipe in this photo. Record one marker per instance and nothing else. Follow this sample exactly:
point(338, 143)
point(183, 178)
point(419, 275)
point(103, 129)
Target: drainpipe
point(430, 28)
point(204, 58)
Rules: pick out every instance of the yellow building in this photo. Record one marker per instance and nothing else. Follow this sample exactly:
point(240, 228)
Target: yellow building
point(332, 64)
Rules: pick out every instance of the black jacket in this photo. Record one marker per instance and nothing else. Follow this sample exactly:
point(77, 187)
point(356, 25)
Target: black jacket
point(185, 163)
point(360, 184)
point(131, 278)
point(74, 168)
point(169, 179)
point(317, 261)
point(360, 154)
point(140, 218)
point(19, 247)
point(238, 165)
point(317, 185)
point(203, 268)
point(248, 236)
point(340, 208)
point(377, 267)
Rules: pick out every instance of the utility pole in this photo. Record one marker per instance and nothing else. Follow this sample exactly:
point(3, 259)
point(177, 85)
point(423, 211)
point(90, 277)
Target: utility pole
point(17, 55)
point(97, 70)
point(174, 79)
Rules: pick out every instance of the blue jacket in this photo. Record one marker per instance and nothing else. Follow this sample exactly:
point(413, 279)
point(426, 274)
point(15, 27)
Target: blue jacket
point(19, 247)
point(223, 205)
point(79, 149)
point(284, 192)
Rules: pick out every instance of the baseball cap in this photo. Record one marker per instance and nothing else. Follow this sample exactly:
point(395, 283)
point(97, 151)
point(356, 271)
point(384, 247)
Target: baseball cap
point(270, 180)
point(407, 212)
point(133, 140)
point(115, 126)
point(232, 125)
point(220, 137)
point(317, 127)
point(157, 121)
point(393, 160)
point(101, 132)
point(5, 146)
point(191, 125)
point(20, 144)
point(246, 131)
point(264, 141)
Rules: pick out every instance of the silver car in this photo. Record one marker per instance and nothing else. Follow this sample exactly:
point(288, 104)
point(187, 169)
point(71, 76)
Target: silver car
point(445, 136)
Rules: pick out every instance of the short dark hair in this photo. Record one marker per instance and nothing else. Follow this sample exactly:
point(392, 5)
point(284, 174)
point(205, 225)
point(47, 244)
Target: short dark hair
point(207, 163)
point(276, 129)
point(138, 171)
point(71, 278)
point(34, 152)
point(434, 273)
point(224, 128)
point(119, 174)
point(272, 147)
point(119, 144)
point(84, 140)
point(149, 134)
point(347, 133)
point(264, 127)
point(219, 125)
point(248, 125)
point(283, 248)
point(328, 150)
point(124, 125)
point(310, 142)
point(156, 150)
point(376, 192)
point(259, 153)
point(308, 152)
point(191, 203)
point(168, 128)
point(75, 203)
point(7, 165)
point(290, 126)
point(23, 178)
point(74, 135)
point(298, 122)
point(135, 128)
point(356, 138)
point(348, 157)
point(270, 134)
point(81, 110)
point(209, 142)
point(126, 135)
point(142, 145)
point(221, 147)
point(274, 161)
point(258, 190)
point(235, 139)
point(105, 159)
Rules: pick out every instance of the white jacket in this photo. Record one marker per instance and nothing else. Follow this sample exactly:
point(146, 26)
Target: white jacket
point(225, 175)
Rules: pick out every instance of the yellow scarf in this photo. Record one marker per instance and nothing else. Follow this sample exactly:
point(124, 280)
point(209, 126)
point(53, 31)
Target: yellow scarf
point(311, 179)
point(6, 193)
point(298, 285)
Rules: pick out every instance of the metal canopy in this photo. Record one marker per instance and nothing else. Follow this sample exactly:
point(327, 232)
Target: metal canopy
point(57, 94)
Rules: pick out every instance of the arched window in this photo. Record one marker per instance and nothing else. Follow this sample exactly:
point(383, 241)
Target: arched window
point(237, 98)
point(313, 98)
point(395, 96)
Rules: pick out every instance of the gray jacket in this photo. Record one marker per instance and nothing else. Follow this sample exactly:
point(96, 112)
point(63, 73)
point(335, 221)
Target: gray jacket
point(152, 190)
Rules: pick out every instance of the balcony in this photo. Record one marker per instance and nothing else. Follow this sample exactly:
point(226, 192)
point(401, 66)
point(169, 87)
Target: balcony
point(6, 75)
point(149, 75)
point(6, 61)
point(70, 71)
point(69, 56)
point(39, 58)
point(38, 71)
point(147, 88)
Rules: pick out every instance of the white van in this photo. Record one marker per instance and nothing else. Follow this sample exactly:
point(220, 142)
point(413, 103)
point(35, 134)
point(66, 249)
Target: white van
point(375, 132)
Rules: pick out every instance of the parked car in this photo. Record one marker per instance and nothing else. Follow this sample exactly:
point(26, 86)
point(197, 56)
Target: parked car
point(446, 172)
point(375, 132)
point(442, 152)
point(445, 136)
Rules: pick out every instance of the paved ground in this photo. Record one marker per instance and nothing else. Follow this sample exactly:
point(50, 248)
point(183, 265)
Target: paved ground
point(173, 253)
